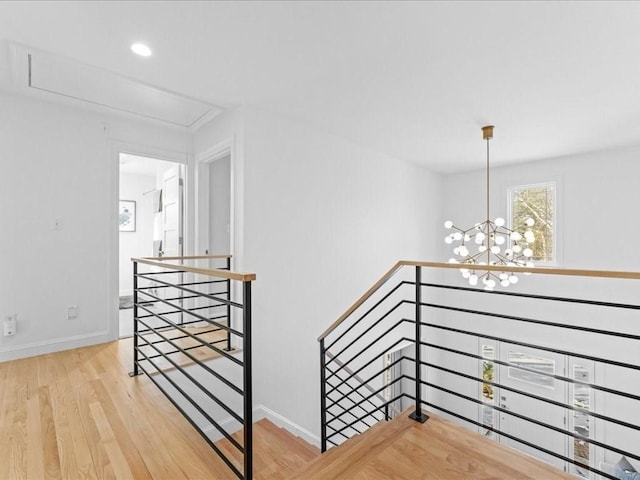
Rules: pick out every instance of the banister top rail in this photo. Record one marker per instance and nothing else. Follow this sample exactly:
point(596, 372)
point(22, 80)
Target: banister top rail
point(213, 272)
point(495, 268)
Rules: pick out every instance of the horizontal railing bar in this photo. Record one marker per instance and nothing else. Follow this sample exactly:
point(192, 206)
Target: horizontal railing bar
point(344, 434)
point(187, 284)
point(542, 424)
point(375, 358)
point(537, 297)
point(191, 309)
point(450, 266)
point(208, 369)
point(358, 432)
point(356, 322)
point(377, 322)
point(537, 372)
point(186, 349)
point(178, 327)
point(195, 315)
point(195, 404)
point(362, 383)
point(365, 416)
point(151, 329)
point(343, 396)
point(365, 382)
point(346, 410)
point(531, 395)
point(200, 294)
point(538, 347)
point(212, 272)
point(212, 444)
point(513, 437)
point(390, 273)
point(532, 321)
point(346, 397)
point(353, 415)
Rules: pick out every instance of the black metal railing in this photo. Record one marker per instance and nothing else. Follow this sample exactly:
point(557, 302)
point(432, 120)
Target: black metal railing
point(192, 338)
point(555, 376)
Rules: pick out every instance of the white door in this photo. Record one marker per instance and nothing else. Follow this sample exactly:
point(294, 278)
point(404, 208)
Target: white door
point(172, 212)
point(534, 378)
point(172, 234)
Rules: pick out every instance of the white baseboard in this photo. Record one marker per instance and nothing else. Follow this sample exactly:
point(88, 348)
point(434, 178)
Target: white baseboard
point(260, 412)
point(53, 345)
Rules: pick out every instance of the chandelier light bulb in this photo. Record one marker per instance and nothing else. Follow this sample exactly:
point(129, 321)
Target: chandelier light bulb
point(500, 240)
point(448, 240)
point(495, 249)
point(529, 236)
point(527, 252)
point(530, 222)
point(516, 237)
point(448, 224)
point(457, 236)
point(499, 222)
point(482, 248)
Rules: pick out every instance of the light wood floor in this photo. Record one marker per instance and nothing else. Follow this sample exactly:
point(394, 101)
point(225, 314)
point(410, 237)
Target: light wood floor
point(78, 415)
point(437, 450)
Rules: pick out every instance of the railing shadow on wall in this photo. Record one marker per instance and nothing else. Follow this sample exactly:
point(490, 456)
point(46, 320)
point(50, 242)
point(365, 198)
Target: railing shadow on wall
point(553, 371)
point(192, 338)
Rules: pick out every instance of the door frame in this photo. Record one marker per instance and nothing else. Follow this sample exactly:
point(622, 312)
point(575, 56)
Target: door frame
point(203, 163)
point(117, 147)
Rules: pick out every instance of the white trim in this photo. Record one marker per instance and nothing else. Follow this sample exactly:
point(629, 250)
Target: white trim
point(260, 412)
point(52, 345)
point(116, 147)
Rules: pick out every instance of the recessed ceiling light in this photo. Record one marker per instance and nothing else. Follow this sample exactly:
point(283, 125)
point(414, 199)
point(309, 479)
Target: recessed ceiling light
point(141, 49)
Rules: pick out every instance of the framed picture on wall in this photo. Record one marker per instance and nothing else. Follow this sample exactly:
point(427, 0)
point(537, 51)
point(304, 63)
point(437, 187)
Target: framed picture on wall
point(127, 216)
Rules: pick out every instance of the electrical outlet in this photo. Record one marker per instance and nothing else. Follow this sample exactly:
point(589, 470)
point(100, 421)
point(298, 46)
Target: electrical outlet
point(10, 325)
point(72, 312)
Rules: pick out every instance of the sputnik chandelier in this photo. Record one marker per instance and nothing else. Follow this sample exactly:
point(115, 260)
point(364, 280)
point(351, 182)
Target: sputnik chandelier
point(491, 243)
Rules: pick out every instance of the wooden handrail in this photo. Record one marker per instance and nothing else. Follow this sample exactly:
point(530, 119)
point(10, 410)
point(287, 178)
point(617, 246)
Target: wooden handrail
point(212, 272)
point(493, 268)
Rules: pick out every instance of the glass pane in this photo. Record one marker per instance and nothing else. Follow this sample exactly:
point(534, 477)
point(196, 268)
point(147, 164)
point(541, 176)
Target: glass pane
point(536, 202)
point(544, 365)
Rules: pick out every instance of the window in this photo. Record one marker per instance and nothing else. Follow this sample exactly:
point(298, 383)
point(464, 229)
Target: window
point(538, 203)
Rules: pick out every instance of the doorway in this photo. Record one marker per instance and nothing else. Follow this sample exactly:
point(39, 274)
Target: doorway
point(220, 206)
point(150, 218)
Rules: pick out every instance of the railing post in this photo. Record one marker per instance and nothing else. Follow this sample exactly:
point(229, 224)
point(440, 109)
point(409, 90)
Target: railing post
point(323, 400)
point(136, 370)
point(248, 394)
point(418, 416)
point(228, 306)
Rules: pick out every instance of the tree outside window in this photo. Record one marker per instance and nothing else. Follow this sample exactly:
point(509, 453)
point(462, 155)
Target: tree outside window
point(536, 202)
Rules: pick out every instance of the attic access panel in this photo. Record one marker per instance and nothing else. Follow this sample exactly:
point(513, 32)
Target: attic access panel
point(76, 80)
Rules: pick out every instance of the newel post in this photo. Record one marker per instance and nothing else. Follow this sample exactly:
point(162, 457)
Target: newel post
point(417, 415)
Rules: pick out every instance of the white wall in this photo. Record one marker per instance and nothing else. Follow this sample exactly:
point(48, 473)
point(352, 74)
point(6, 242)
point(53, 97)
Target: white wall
point(140, 242)
point(324, 219)
point(597, 192)
point(598, 198)
point(60, 162)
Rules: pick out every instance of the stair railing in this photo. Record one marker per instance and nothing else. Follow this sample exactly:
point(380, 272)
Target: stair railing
point(479, 357)
point(192, 339)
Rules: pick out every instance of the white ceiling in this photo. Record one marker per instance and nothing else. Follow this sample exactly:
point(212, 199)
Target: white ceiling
point(416, 80)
